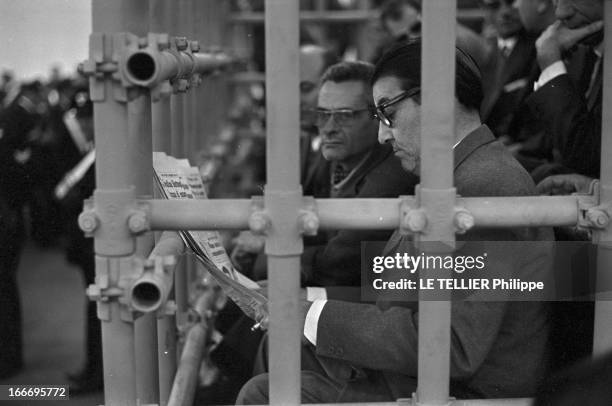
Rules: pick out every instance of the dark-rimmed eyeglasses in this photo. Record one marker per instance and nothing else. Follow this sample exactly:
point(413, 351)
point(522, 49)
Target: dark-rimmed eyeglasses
point(340, 116)
point(380, 109)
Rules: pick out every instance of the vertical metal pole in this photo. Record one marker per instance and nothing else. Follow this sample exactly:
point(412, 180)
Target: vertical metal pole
point(159, 11)
point(177, 103)
point(602, 340)
point(177, 100)
point(186, 13)
point(282, 196)
point(140, 150)
point(112, 174)
point(436, 192)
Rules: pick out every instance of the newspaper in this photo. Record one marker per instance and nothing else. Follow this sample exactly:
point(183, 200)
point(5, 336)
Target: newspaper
point(177, 179)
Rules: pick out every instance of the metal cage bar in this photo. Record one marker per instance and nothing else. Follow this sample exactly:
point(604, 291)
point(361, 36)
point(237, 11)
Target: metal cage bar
point(436, 193)
point(112, 174)
point(282, 196)
point(334, 214)
point(602, 338)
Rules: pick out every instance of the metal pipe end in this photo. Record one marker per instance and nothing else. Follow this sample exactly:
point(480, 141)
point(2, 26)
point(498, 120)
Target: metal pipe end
point(146, 295)
point(141, 68)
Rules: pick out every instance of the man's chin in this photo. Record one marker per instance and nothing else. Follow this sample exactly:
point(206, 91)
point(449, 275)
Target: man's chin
point(410, 166)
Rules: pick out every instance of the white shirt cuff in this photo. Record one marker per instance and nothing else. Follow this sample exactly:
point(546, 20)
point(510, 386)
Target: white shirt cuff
point(548, 74)
point(312, 320)
point(315, 293)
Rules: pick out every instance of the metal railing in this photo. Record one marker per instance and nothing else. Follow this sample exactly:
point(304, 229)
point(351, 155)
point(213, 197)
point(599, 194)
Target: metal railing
point(139, 367)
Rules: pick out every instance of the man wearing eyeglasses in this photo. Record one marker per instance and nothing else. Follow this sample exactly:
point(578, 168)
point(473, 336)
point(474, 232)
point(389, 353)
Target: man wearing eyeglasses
point(356, 166)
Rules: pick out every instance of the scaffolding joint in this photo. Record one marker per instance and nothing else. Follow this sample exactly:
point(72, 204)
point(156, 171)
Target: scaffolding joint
point(412, 218)
point(104, 64)
point(88, 220)
point(139, 219)
point(308, 217)
point(592, 214)
point(152, 283)
point(106, 219)
point(285, 209)
point(113, 279)
point(259, 220)
point(464, 220)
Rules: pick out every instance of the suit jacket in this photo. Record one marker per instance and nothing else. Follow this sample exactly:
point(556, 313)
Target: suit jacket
point(573, 119)
point(497, 348)
point(506, 82)
point(337, 262)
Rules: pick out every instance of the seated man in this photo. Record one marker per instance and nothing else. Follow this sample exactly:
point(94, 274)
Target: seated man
point(354, 165)
point(364, 352)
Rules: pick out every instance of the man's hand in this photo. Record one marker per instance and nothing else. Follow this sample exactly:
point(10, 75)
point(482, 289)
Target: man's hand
point(558, 38)
point(564, 184)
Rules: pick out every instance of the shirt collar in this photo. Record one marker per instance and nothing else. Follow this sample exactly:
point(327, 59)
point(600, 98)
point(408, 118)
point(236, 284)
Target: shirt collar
point(506, 43)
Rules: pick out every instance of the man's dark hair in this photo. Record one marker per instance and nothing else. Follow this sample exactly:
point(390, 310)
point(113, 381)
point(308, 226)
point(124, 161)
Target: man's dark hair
point(393, 9)
point(403, 61)
point(349, 70)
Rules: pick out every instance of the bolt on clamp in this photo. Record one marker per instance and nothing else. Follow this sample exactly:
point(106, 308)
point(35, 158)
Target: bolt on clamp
point(464, 220)
point(139, 219)
point(259, 220)
point(308, 217)
point(88, 220)
point(592, 215)
point(114, 277)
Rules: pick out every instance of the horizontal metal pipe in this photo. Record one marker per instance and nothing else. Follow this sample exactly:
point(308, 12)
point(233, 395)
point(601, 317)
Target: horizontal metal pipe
point(211, 214)
point(554, 211)
point(183, 389)
point(468, 402)
point(226, 214)
point(150, 291)
point(149, 67)
point(210, 62)
point(343, 16)
point(358, 214)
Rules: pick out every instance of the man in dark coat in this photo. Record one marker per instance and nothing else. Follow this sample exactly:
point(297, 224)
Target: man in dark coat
point(571, 109)
point(17, 178)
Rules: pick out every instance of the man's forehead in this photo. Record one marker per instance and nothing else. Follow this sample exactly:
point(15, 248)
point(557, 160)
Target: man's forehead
point(344, 94)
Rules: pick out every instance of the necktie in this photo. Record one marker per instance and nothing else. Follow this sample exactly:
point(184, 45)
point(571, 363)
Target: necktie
point(339, 174)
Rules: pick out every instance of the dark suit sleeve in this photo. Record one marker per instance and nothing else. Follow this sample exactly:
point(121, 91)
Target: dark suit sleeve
point(576, 131)
point(339, 262)
point(369, 337)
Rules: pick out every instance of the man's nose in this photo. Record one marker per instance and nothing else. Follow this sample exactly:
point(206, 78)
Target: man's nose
point(329, 124)
point(384, 134)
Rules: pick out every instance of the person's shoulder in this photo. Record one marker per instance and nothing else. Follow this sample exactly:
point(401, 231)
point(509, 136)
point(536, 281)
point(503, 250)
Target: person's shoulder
point(491, 170)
